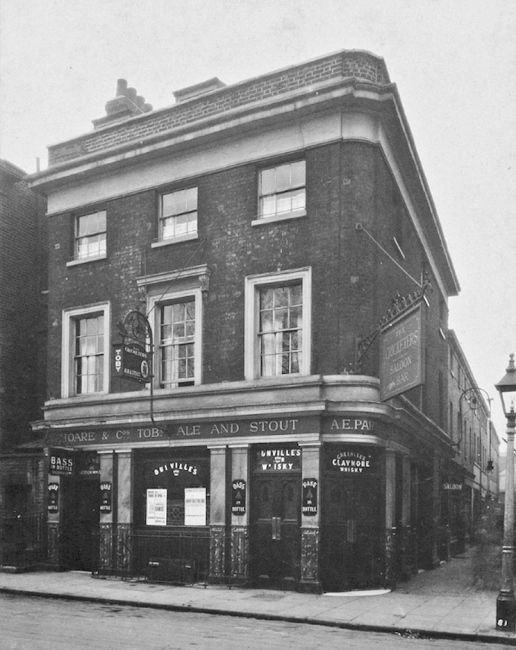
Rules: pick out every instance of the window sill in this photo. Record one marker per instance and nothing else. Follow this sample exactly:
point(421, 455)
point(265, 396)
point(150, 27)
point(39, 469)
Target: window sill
point(174, 240)
point(85, 260)
point(279, 217)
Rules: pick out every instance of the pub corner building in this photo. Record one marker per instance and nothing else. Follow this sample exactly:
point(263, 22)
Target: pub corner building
point(247, 348)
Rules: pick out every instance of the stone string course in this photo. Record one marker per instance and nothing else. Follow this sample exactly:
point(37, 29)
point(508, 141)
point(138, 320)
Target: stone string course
point(359, 65)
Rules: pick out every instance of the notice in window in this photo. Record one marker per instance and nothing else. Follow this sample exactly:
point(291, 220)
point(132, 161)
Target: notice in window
point(195, 506)
point(156, 508)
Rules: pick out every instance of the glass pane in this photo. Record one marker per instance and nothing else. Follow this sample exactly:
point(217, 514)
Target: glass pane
point(283, 178)
point(268, 181)
point(191, 199)
point(266, 298)
point(82, 248)
point(190, 310)
point(296, 294)
point(101, 221)
point(267, 344)
point(190, 367)
point(178, 312)
point(167, 228)
point(298, 173)
point(166, 332)
point(281, 319)
point(91, 326)
point(268, 206)
point(181, 225)
point(266, 321)
point(298, 199)
point(284, 202)
point(192, 223)
point(179, 330)
point(179, 202)
point(281, 296)
point(294, 318)
point(87, 225)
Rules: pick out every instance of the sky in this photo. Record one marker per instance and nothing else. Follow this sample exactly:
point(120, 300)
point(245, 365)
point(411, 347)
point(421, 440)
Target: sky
point(453, 61)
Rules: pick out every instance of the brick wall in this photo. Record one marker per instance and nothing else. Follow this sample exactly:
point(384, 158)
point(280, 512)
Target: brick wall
point(22, 314)
point(360, 65)
point(354, 282)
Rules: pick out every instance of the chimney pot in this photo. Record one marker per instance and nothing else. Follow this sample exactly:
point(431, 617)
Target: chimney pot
point(147, 108)
point(140, 101)
point(131, 94)
point(121, 87)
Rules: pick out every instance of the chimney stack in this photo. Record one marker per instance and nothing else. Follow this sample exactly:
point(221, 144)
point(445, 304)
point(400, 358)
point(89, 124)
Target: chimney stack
point(127, 103)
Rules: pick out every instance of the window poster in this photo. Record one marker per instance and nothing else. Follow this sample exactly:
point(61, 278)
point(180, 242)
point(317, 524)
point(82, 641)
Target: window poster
point(156, 507)
point(195, 506)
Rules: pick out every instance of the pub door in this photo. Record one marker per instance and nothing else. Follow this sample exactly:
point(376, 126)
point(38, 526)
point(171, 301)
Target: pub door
point(352, 548)
point(275, 531)
point(80, 522)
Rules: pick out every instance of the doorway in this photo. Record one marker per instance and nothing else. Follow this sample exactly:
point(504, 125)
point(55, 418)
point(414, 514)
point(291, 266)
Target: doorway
point(81, 510)
point(275, 531)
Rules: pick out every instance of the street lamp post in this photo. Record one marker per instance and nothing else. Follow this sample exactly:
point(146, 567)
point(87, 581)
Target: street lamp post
point(506, 602)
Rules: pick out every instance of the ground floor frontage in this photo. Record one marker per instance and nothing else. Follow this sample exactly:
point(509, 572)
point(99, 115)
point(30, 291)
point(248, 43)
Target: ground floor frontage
point(304, 503)
point(311, 485)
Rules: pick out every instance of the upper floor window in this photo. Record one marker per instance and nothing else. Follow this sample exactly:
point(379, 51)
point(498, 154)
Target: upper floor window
point(175, 311)
point(278, 337)
point(177, 343)
point(85, 361)
point(282, 191)
point(90, 235)
point(178, 214)
point(280, 329)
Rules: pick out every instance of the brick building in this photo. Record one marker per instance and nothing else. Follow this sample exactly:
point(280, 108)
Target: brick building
point(280, 240)
point(22, 363)
point(477, 447)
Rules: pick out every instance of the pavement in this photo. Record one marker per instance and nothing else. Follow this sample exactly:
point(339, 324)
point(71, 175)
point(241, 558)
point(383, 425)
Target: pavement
point(442, 603)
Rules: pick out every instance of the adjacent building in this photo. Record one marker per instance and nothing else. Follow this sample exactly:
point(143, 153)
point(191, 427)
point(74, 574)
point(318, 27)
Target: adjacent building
point(248, 351)
point(22, 366)
point(477, 447)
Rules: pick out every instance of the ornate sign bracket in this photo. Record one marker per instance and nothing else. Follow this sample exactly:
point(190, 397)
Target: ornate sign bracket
point(136, 327)
point(400, 304)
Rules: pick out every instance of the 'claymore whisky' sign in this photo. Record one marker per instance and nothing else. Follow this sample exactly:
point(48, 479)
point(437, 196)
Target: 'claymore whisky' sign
point(401, 358)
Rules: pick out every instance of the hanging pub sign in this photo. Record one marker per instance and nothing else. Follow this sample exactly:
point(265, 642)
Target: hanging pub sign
point(238, 488)
point(273, 458)
point(401, 355)
point(352, 461)
point(132, 361)
point(61, 462)
point(53, 497)
point(309, 506)
point(105, 497)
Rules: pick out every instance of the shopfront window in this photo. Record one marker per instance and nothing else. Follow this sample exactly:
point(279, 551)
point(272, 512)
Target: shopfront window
point(173, 490)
